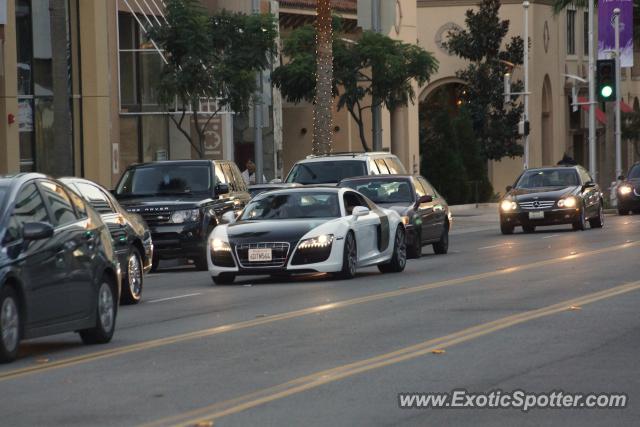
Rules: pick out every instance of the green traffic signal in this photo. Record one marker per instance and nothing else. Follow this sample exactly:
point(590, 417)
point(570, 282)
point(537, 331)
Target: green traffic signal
point(606, 91)
point(606, 79)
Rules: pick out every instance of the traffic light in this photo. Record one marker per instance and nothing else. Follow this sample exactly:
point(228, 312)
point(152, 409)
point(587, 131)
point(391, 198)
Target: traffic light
point(606, 80)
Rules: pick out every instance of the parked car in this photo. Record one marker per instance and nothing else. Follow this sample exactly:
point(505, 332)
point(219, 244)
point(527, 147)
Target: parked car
point(131, 236)
point(551, 196)
point(629, 191)
point(425, 213)
point(182, 201)
point(256, 189)
point(334, 167)
point(58, 270)
point(301, 230)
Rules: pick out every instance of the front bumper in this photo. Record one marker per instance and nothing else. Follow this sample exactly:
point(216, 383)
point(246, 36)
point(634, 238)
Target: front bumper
point(172, 241)
point(331, 265)
point(551, 217)
point(629, 201)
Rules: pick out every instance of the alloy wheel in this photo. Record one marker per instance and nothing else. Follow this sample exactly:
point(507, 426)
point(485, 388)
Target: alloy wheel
point(401, 248)
point(10, 324)
point(106, 307)
point(134, 275)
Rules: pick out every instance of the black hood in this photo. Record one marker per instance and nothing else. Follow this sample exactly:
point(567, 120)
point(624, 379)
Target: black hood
point(170, 203)
point(545, 193)
point(271, 230)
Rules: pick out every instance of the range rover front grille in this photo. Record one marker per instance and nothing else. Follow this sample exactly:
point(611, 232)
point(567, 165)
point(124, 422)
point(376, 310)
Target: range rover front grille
point(156, 217)
point(537, 204)
point(279, 252)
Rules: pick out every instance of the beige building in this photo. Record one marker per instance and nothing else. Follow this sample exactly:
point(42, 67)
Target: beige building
point(78, 89)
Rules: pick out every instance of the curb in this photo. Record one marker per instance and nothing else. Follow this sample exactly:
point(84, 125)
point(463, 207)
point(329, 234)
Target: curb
point(472, 206)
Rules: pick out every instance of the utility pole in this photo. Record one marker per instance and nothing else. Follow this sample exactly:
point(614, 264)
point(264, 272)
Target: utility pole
point(525, 6)
point(616, 18)
point(257, 117)
point(376, 109)
point(592, 98)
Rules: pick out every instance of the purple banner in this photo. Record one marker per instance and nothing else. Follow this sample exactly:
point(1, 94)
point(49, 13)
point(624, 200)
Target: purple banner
point(606, 30)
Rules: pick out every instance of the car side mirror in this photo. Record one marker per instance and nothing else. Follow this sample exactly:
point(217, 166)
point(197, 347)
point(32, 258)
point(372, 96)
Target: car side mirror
point(509, 188)
point(424, 199)
point(222, 189)
point(37, 231)
point(229, 217)
point(359, 211)
point(621, 178)
point(275, 181)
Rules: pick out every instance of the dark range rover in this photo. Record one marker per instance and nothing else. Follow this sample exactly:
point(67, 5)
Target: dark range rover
point(182, 201)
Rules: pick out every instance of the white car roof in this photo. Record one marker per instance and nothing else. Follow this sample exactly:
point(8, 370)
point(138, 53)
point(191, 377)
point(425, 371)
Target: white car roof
point(345, 157)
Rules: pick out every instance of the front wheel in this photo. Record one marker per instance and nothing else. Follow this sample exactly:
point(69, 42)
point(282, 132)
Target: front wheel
point(349, 258)
point(441, 247)
point(107, 308)
point(506, 228)
point(133, 280)
point(581, 223)
point(399, 259)
point(598, 221)
point(9, 325)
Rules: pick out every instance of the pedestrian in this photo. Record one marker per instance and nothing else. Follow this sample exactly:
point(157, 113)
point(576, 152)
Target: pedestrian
point(249, 174)
point(567, 161)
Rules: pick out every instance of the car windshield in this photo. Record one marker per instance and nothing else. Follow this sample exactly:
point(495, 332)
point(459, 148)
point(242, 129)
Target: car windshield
point(165, 179)
point(548, 178)
point(634, 173)
point(294, 205)
point(383, 190)
point(324, 172)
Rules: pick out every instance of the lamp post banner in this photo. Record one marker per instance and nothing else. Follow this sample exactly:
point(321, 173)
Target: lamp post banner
point(606, 30)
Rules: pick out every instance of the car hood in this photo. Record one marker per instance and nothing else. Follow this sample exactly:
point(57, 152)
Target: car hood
point(159, 203)
point(272, 230)
point(547, 193)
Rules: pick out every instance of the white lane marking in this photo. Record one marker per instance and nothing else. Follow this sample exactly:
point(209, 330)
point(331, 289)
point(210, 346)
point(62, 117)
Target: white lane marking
point(176, 297)
point(498, 246)
point(549, 237)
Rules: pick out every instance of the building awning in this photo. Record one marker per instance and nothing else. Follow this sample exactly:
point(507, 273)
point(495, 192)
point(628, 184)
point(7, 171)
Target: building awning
point(625, 108)
point(600, 115)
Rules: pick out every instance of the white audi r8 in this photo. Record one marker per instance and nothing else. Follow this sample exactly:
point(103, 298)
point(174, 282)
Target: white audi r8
point(303, 230)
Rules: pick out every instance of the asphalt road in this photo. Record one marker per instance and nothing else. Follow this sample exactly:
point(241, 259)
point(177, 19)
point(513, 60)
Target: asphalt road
point(554, 310)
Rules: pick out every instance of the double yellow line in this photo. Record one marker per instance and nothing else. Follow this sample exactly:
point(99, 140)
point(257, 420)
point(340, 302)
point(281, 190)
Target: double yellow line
point(151, 344)
point(298, 385)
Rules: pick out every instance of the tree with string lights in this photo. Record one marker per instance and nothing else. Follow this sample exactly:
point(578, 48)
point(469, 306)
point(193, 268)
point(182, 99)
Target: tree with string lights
point(323, 102)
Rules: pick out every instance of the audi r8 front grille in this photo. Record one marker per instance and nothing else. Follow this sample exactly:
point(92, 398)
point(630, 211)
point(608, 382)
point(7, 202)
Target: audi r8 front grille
point(279, 253)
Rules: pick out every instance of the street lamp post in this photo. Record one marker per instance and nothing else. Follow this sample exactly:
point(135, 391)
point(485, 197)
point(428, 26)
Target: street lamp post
point(257, 117)
point(616, 18)
point(525, 6)
point(592, 98)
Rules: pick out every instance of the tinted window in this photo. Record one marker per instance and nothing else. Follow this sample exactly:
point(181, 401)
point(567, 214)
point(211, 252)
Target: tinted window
point(394, 165)
point(373, 168)
point(165, 179)
point(584, 175)
point(634, 173)
point(96, 197)
point(59, 202)
point(230, 178)
point(328, 171)
point(78, 204)
point(292, 205)
point(548, 178)
point(29, 207)
point(384, 190)
point(351, 200)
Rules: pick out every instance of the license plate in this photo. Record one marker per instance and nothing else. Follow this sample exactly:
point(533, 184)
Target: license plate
point(259, 255)
point(536, 215)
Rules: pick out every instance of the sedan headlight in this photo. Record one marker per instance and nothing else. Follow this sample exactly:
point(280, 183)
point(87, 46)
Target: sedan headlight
point(219, 245)
point(508, 205)
point(319, 242)
point(188, 215)
point(568, 202)
point(625, 189)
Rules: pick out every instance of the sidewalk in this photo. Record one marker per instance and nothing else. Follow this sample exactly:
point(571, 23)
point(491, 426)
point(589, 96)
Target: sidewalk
point(472, 218)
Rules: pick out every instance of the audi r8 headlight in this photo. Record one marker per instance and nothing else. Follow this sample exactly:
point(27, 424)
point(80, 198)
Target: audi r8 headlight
point(219, 245)
point(188, 215)
point(319, 242)
point(625, 189)
point(508, 205)
point(567, 202)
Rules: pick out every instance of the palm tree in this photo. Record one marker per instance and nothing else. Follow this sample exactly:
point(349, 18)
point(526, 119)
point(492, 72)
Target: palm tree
point(323, 105)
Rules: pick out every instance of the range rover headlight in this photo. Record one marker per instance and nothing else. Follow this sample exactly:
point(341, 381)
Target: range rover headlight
point(508, 205)
point(188, 215)
point(319, 242)
point(568, 202)
point(219, 245)
point(625, 189)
